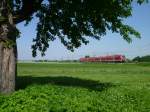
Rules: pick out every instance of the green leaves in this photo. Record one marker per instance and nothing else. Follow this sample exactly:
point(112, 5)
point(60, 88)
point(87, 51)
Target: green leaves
point(142, 1)
point(126, 31)
point(71, 21)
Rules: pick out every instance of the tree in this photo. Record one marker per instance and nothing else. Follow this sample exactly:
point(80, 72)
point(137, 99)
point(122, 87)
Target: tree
point(137, 59)
point(142, 59)
point(69, 20)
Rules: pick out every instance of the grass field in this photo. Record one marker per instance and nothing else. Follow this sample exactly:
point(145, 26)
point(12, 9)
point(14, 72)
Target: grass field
point(75, 87)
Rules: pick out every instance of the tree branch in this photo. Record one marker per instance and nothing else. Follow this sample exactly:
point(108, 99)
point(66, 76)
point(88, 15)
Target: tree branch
point(29, 7)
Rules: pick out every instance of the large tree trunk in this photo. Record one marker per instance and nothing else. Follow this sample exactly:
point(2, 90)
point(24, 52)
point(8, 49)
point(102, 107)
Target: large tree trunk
point(8, 58)
point(8, 50)
point(7, 68)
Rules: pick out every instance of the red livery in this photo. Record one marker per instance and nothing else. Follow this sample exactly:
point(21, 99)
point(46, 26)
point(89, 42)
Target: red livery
point(109, 58)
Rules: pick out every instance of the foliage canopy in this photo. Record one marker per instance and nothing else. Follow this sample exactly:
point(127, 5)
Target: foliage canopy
point(73, 20)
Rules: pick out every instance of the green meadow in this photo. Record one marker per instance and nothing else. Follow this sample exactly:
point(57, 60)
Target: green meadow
point(80, 87)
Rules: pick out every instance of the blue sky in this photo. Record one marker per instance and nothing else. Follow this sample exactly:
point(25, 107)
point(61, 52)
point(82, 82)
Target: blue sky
point(109, 44)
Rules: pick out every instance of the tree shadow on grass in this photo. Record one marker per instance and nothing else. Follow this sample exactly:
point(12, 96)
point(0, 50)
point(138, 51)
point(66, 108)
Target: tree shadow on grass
point(25, 81)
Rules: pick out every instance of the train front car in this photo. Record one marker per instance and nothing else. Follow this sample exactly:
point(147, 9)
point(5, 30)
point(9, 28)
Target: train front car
point(119, 58)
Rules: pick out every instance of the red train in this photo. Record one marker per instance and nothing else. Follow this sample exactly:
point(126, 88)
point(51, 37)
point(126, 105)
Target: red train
point(109, 58)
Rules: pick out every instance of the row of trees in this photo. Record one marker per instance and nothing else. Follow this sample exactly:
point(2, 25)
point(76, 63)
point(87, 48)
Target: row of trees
point(142, 59)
